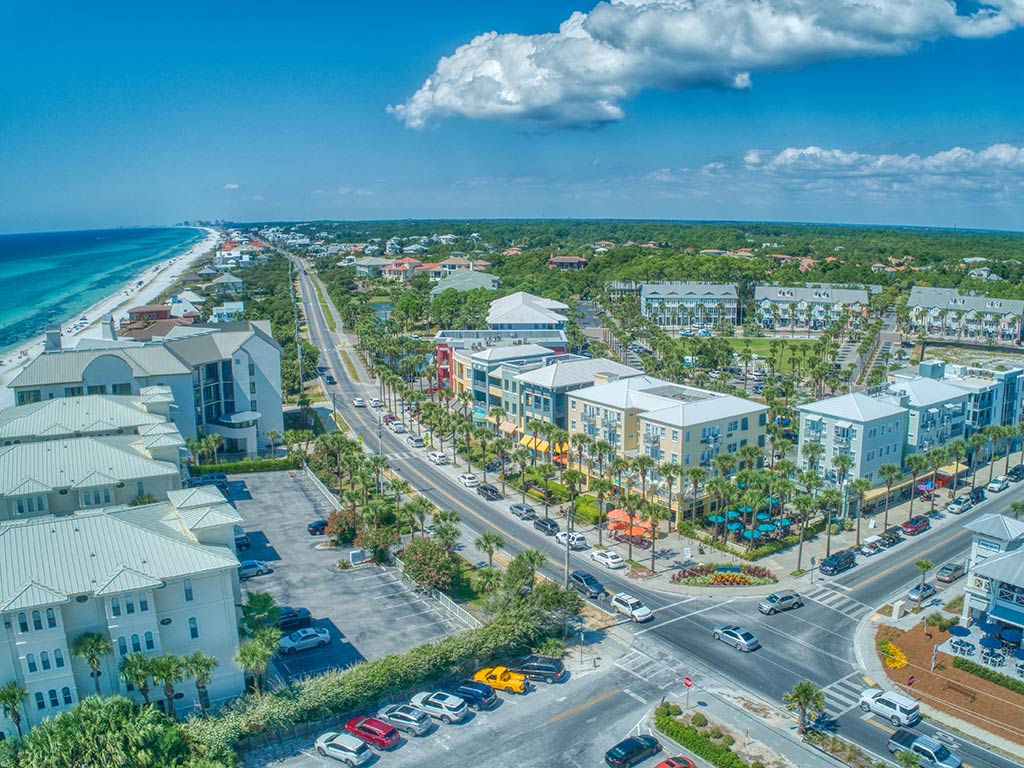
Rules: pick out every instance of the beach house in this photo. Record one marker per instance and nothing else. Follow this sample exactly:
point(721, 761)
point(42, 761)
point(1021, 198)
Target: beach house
point(227, 284)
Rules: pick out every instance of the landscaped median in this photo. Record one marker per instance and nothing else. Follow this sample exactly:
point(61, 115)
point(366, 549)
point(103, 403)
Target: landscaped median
point(693, 732)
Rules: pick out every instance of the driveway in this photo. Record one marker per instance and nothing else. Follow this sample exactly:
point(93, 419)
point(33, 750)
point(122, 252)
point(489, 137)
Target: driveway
point(369, 610)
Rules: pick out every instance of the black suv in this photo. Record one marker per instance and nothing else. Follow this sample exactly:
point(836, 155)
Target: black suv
point(293, 618)
point(838, 562)
point(977, 494)
point(891, 536)
point(546, 526)
point(489, 492)
point(536, 667)
point(631, 751)
point(585, 583)
point(476, 695)
point(1016, 473)
point(317, 527)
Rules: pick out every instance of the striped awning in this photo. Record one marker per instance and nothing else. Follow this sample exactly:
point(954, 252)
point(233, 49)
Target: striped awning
point(561, 448)
point(508, 427)
point(528, 441)
point(542, 446)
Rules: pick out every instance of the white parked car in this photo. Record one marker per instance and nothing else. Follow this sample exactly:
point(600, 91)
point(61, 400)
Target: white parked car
point(303, 640)
point(376, 403)
point(576, 540)
point(436, 457)
point(358, 402)
point(895, 707)
point(960, 505)
point(998, 485)
point(397, 427)
point(343, 747)
point(632, 607)
point(607, 558)
point(469, 480)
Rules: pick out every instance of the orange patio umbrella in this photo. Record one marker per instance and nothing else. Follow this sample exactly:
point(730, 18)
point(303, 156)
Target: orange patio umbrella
point(618, 514)
point(617, 525)
point(636, 530)
point(644, 524)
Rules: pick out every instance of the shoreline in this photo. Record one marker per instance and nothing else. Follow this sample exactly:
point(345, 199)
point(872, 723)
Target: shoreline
point(155, 280)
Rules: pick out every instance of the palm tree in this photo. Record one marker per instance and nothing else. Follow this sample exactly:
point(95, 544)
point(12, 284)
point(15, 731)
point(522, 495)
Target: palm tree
point(12, 696)
point(936, 457)
point(917, 464)
point(536, 428)
point(804, 503)
point(890, 473)
point(200, 666)
point(254, 656)
point(216, 442)
point(724, 463)
point(273, 436)
point(830, 500)
point(92, 648)
point(652, 513)
point(136, 669)
point(418, 509)
point(489, 542)
point(812, 451)
point(167, 671)
point(923, 566)
point(994, 433)
point(860, 485)
point(1017, 507)
point(533, 559)
point(642, 465)
point(807, 700)
point(957, 450)
point(602, 487)
point(669, 472)
point(502, 446)
point(487, 580)
point(631, 503)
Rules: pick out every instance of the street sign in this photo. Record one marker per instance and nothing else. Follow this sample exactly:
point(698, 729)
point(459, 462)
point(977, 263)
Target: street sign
point(687, 553)
point(688, 682)
point(910, 681)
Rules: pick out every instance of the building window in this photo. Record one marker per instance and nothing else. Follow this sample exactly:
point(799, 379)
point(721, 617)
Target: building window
point(30, 662)
point(51, 618)
point(143, 603)
point(675, 435)
point(58, 658)
point(44, 660)
point(72, 391)
point(66, 693)
point(29, 396)
point(150, 645)
point(136, 644)
point(122, 389)
point(22, 622)
point(99, 389)
point(188, 590)
point(40, 701)
point(129, 605)
point(122, 646)
point(115, 606)
point(54, 701)
point(37, 620)
point(193, 628)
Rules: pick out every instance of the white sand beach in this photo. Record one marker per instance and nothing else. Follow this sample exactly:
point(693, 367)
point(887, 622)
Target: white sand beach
point(155, 281)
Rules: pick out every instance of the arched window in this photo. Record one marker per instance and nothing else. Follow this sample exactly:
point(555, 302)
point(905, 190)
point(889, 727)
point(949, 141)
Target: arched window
point(143, 603)
point(136, 644)
point(51, 618)
point(115, 606)
point(129, 604)
point(44, 660)
point(65, 692)
point(150, 645)
point(30, 662)
point(58, 658)
point(40, 701)
point(122, 646)
point(37, 620)
point(54, 701)
point(22, 622)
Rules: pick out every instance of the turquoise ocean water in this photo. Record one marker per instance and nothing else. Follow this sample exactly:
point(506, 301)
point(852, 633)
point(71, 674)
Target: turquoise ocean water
point(54, 276)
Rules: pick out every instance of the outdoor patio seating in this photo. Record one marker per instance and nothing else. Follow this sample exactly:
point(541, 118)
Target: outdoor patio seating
point(962, 647)
point(993, 659)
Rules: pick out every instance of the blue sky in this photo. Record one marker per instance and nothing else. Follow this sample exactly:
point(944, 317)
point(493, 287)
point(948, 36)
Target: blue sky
point(141, 113)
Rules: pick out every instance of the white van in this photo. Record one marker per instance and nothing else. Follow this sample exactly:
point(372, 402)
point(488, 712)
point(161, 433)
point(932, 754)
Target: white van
point(898, 709)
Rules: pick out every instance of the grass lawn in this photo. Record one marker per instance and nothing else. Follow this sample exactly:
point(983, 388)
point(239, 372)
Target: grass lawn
point(761, 348)
point(323, 305)
point(465, 592)
point(349, 366)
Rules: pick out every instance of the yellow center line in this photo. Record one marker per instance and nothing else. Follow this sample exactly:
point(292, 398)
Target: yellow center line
point(901, 564)
point(585, 705)
point(880, 725)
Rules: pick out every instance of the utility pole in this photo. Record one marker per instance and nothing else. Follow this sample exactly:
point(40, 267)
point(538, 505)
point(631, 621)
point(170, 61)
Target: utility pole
point(568, 529)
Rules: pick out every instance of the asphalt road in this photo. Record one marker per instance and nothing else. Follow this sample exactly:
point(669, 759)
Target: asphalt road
point(814, 642)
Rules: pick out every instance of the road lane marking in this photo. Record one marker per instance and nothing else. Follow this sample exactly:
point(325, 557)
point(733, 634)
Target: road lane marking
point(684, 616)
point(584, 705)
point(635, 697)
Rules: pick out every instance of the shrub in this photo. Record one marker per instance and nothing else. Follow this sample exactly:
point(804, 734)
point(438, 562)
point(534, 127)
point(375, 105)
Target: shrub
point(696, 742)
point(1012, 684)
point(249, 465)
point(697, 720)
point(430, 564)
point(708, 575)
point(378, 541)
point(715, 732)
point(342, 527)
point(587, 509)
point(552, 646)
point(728, 740)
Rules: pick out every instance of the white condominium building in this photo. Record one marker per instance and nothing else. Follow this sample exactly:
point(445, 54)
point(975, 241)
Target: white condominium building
point(812, 308)
point(947, 312)
point(677, 305)
point(156, 579)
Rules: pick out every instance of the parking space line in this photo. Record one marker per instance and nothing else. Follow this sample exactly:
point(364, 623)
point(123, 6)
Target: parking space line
point(684, 616)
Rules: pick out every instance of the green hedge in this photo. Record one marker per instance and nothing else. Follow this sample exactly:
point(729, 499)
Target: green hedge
point(1010, 683)
point(587, 508)
point(361, 686)
point(249, 465)
point(695, 741)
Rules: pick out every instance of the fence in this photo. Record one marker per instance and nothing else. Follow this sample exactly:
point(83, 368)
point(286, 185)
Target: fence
point(446, 602)
point(330, 497)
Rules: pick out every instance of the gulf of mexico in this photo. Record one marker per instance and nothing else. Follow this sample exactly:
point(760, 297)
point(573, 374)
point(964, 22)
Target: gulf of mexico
point(54, 276)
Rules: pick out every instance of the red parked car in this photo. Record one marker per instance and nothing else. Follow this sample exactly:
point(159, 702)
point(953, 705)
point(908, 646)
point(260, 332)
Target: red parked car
point(389, 418)
point(374, 732)
point(915, 525)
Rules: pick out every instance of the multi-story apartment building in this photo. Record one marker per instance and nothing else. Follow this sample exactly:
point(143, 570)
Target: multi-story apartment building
point(479, 372)
point(223, 378)
point(643, 415)
point(994, 589)
point(871, 430)
point(811, 308)
point(936, 411)
point(675, 305)
point(156, 579)
point(947, 312)
point(526, 312)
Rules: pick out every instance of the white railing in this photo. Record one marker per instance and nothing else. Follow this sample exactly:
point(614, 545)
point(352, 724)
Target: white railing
point(446, 602)
point(330, 497)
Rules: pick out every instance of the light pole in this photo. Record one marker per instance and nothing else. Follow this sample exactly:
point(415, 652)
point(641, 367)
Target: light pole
point(568, 530)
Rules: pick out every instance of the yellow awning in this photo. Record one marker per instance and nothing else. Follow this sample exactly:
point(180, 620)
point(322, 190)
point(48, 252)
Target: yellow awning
point(949, 469)
point(508, 427)
point(542, 446)
point(528, 441)
point(562, 448)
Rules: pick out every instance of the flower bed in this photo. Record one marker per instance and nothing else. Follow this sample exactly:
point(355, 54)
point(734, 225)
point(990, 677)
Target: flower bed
point(710, 575)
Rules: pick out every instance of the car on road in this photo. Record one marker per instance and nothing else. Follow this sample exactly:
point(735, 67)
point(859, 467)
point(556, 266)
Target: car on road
point(376, 403)
point(536, 667)
point(242, 542)
point(374, 732)
point(344, 748)
point(358, 402)
point(780, 601)
point(950, 572)
point(891, 536)
point(586, 583)
point(546, 526)
point(495, 466)
point(329, 379)
point(576, 540)
point(631, 751)
point(930, 752)
point(293, 618)
point(387, 418)
point(438, 458)
point(303, 640)
point(676, 762)
point(249, 568)
point(632, 607)
point(999, 484)
point(415, 441)
point(476, 694)
point(503, 679)
point(959, 505)
point(523, 511)
point(838, 562)
point(317, 527)
point(917, 524)
point(397, 427)
point(737, 637)
point(977, 494)
point(607, 558)
point(406, 718)
point(469, 480)
point(898, 709)
point(1016, 473)
point(920, 592)
point(489, 492)
point(443, 706)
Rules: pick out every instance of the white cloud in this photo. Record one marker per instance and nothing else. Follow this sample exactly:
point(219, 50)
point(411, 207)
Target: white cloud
point(580, 74)
point(229, 185)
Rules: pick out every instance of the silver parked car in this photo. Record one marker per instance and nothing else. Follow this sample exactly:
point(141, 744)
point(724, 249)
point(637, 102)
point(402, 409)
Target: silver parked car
point(737, 637)
point(344, 748)
point(249, 568)
point(446, 707)
point(406, 718)
point(303, 640)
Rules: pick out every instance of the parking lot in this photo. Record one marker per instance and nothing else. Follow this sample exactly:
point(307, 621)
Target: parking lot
point(369, 610)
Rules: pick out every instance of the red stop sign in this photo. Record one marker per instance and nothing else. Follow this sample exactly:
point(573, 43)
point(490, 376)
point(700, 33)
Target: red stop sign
point(688, 682)
point(910, 681)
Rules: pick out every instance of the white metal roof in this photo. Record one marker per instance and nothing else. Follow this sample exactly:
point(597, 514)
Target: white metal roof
point(997, 526)
point(853, 407)
point(951, 299)
point(525, 308)
point(563, 373)
point(70, 416)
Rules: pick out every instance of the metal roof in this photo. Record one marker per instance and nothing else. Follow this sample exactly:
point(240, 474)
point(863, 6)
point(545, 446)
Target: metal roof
point(997, 526)
point(466, 280)
point(853, 407)
point(923, 391)
point(70, 416)
point(951, 299)
point(203, 496)
point(564, 373)
point(1008, 567)
point(67, 366)
point(525, 308)
point(819, 293)
point(680, 290)
point(668, 403)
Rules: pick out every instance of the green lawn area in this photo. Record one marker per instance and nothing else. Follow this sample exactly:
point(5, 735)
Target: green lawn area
point(323, 305)
point(760, 347)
